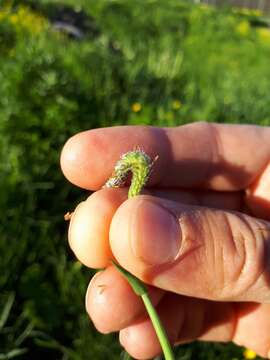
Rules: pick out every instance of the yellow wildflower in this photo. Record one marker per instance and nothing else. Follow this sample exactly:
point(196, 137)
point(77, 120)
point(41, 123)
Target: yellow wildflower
point(249, 354)
point(243, 28)
point(176, 104)
point(136, 107)
point(264, 34)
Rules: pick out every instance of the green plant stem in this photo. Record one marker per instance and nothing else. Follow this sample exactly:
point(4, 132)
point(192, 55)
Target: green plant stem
point(159, 328)
point(140, 289)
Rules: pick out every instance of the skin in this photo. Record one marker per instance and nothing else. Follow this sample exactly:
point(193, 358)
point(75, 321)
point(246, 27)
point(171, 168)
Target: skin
point(198, 236)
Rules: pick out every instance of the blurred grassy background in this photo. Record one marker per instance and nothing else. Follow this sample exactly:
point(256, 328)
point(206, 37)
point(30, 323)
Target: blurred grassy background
point(65, 68)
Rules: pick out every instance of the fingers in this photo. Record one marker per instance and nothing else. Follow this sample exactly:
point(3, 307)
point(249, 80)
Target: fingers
point(194, 251)
point(195, 155)
point(91, 220)
point(184, 320)
point(112, 306)
point(140, 340)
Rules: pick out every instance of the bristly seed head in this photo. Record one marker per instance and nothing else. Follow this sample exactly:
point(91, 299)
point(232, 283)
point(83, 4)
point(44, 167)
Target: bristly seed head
point(139, 164)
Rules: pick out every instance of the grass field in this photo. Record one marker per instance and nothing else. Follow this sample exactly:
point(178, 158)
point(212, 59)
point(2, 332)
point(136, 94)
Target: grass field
point(162, 63)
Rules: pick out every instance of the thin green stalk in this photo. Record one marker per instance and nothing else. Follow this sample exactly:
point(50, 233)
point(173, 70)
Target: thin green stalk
point(140, 165)
point(140, 290)
point(159, 328)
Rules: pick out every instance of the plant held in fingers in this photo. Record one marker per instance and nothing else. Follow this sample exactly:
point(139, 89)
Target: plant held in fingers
point(139, 164)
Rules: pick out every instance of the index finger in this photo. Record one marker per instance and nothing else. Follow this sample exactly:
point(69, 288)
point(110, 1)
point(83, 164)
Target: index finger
point(198, 155)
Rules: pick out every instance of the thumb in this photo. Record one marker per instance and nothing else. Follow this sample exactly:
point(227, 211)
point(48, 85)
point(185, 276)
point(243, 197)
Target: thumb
point(193, 251)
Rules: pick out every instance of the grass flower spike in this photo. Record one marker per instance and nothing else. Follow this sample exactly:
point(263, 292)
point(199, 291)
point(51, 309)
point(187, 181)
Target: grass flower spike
point(139, 164)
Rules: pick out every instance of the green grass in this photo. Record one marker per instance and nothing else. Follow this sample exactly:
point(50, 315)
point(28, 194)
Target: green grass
point(178, 62)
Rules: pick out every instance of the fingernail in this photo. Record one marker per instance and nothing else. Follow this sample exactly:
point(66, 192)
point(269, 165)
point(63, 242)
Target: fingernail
point(155, 233)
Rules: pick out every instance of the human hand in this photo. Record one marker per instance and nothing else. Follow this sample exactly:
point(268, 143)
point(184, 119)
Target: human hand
point(192, 237)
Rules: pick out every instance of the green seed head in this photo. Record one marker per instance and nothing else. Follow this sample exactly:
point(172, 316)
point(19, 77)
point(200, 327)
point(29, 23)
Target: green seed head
point(139, 164)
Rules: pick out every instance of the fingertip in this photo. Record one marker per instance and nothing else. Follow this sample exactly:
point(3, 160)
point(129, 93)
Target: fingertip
point(87, 238)
point(79, 160)
point(140, 340)
point(87, 158)
point(70, 160)
point(89, 227)
point(96, 301)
